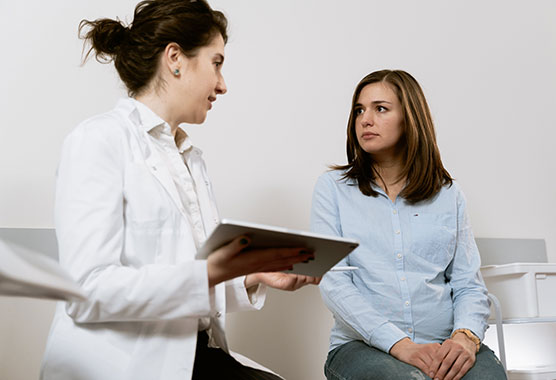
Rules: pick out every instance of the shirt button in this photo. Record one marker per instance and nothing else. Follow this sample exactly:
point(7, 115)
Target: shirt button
point(218, 314)
point(410, 330)
point(399, 255)
point(394, 212)
point(406, 303)
point(403, 278)
point(397, 232)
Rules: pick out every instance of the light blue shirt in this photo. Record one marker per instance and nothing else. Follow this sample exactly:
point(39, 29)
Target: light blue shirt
point(418, 273)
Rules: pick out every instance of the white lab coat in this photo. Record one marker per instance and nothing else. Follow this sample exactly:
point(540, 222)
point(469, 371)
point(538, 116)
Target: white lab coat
point(124, 236)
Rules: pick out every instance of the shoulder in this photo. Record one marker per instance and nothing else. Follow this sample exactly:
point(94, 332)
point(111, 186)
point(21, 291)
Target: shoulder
point(451, 195)
point(333, 178)
point(106, 129)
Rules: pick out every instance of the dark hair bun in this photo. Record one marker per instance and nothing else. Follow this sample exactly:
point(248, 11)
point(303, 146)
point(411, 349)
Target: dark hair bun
point(105, 35)
point(136, 49)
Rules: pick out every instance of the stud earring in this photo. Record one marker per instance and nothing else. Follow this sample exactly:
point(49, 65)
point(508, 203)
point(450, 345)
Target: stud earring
point(176, 72)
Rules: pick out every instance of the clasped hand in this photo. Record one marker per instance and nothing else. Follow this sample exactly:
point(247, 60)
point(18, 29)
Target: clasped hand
point(447, 361)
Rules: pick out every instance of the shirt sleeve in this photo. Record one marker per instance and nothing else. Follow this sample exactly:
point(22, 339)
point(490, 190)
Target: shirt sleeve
point(90, 229)
point(339, 293)
point(471, 304)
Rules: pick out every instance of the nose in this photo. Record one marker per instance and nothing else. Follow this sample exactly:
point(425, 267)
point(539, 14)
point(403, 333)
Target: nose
point(221, 88)
point(367, 119)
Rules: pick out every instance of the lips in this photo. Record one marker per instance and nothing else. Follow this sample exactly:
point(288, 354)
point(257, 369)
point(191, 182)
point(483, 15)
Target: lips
point(211, 99)
point(368, 135)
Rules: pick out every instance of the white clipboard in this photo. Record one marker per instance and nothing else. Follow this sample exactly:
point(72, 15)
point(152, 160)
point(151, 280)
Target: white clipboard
point(328, 250)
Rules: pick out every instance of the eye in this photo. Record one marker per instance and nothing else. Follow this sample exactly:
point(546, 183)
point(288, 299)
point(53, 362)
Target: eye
point(358, 111)
point(218, 64)
point(381, 109)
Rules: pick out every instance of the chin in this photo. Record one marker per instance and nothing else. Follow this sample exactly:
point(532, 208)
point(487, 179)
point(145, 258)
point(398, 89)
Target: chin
point(199, 119)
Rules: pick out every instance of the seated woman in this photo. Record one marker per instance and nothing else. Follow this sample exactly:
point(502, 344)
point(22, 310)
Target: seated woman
point(417, 307)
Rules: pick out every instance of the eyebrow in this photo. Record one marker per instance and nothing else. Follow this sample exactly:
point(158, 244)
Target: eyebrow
point(219, 56)
point(374, 102)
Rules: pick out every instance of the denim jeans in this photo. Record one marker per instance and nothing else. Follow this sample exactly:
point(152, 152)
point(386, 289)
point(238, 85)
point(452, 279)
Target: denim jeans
point(358, 361)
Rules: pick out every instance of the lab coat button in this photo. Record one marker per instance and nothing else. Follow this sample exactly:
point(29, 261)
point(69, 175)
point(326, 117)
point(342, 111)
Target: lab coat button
point(218, 314)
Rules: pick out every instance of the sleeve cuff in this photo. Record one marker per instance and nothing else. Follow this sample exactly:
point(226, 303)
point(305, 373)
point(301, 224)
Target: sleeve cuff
point(385, 336)
point(478, 329)
point(241, 299)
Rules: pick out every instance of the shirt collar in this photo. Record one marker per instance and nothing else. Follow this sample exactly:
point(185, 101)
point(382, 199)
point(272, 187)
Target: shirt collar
point(153, 124)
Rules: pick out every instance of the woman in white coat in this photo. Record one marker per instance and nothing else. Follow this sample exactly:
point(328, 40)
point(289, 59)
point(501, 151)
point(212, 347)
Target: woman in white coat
point(133, 205)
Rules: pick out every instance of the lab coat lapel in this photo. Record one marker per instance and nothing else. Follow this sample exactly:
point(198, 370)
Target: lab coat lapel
point(161, 173)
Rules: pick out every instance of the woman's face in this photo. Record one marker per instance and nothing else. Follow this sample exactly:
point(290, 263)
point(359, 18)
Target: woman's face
point(202, 80)
point(379, 121)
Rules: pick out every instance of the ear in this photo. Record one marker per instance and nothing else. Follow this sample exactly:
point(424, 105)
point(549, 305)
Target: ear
point(173, 59)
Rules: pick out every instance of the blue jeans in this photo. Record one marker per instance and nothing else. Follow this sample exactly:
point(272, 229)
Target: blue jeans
point(358, 361)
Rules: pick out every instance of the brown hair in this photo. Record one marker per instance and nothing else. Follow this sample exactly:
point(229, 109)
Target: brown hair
point(135, 49)
point(422, 166)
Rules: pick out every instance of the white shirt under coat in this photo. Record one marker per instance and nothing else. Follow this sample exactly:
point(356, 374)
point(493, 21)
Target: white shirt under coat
point(128, 233)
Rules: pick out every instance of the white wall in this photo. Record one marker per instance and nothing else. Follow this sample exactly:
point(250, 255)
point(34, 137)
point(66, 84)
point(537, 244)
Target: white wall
point(487, 69)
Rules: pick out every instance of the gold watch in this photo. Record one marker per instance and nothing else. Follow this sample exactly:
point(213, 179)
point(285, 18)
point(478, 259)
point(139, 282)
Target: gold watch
point(470, 335)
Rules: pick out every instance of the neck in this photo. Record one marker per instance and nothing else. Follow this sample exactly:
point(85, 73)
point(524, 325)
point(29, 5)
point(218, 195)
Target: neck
point(160, 106)
point(389, 170)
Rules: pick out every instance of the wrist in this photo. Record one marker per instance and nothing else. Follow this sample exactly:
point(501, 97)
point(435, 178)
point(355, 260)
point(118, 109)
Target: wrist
point(468, 337)
point(251, 279)
point(400, 347)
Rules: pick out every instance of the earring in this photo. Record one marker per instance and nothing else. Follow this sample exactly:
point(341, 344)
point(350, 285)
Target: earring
point(176, 72)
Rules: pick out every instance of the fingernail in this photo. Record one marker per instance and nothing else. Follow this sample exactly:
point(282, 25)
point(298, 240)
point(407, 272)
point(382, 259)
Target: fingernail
point(243, 241)
point(303, 252)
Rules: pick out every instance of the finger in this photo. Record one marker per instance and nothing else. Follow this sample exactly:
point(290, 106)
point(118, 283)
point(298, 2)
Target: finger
point(446, 365)
point(273, 258)
point(437, 359)
point(314, 280)
point(464, 369)
point(237, 245)
point(421, 364)
point(294, 254)
point(456, 367)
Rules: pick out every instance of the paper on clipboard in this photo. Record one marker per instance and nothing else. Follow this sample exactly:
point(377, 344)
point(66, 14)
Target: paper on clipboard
point(27, 273)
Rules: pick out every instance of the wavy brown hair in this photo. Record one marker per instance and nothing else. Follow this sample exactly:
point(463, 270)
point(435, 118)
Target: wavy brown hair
point(135, 48)
point(422, 166)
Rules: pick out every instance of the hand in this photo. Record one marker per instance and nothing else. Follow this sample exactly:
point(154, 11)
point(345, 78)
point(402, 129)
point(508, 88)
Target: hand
point(455, 357)
point(282, 281)
point(233, 260)
point(417, 355)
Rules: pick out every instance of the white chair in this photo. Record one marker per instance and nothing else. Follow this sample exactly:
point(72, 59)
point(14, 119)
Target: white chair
point(499, 251)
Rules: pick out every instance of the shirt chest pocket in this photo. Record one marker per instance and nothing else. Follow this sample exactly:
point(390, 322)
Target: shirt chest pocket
point(433, 237)
point(147, 205)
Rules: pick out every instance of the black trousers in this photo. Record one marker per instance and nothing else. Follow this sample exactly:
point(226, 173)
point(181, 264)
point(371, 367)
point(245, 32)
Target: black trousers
point(214, 364)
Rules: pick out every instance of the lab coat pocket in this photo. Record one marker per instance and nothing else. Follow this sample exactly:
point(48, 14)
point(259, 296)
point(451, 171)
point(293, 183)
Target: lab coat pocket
point(433, 237)
point(147, 205)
